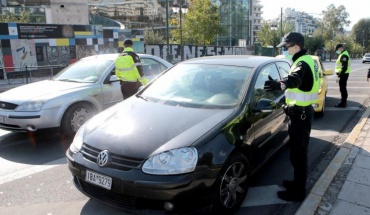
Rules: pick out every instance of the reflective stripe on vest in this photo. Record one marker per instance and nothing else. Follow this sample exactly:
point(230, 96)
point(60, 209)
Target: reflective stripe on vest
point(126, 68)
point(294, 96)
point(338, 64)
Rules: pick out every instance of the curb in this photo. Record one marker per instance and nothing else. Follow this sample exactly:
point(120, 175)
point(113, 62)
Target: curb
point(312, 201)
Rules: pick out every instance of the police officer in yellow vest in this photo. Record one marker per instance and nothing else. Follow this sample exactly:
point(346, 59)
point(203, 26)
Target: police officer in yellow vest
point(129, 70)
point(342, 68)
point(301, 91)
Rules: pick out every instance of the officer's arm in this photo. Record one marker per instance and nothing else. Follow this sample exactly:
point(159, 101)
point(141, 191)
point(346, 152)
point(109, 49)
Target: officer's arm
point(294, 80)
point(344, 61)
point(138, 66)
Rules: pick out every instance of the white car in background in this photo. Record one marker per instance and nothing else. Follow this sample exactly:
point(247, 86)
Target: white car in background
point(70, 98)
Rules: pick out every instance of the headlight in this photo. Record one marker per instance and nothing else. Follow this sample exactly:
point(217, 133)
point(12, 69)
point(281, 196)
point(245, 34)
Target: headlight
point(77, 140)
point(31, 106)
point(173, 162)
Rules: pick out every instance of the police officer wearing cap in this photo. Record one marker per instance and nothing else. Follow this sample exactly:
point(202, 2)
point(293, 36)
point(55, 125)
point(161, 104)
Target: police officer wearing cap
point(342, 68)
point(129, 70)
point(301, 91)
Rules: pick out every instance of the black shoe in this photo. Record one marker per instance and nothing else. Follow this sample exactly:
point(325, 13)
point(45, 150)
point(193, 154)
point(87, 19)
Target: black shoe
point(341, 105)
point(289, 185)
point(291, 196)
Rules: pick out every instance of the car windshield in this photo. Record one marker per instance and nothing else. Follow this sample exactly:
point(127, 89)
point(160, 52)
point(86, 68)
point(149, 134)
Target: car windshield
point(200, 86)
point(87, 70)
point(367, 55)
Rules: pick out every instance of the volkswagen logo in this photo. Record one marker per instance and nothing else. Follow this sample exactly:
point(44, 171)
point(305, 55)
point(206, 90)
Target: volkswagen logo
point(2, 105)
point(103, 158)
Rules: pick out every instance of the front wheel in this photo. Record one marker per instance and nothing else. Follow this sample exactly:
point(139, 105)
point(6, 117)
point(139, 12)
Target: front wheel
point(232, 185)
point(75, 117)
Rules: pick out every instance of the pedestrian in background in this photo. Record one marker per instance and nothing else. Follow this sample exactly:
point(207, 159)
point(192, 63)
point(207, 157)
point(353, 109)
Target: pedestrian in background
point(129, 70)
point(342, 69)
point(301, 91)
point(368, 75)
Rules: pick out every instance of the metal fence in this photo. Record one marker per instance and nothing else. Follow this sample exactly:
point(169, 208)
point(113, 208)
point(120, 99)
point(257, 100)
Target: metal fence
point(14, 75)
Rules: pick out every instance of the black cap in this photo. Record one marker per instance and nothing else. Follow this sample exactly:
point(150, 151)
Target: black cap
point(128, 42)
point(292, 37)
point(338, 46)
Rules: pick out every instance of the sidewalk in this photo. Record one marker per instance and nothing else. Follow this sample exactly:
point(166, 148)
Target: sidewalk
point(344, 187)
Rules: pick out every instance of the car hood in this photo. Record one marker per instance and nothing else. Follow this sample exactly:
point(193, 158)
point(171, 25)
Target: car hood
point(39, 90)
point(137, 128)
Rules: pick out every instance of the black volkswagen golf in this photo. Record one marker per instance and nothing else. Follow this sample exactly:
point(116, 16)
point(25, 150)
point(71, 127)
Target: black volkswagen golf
point(188, 142)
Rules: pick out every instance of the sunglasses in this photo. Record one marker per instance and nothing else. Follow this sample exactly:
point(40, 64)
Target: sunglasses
point(285, 48)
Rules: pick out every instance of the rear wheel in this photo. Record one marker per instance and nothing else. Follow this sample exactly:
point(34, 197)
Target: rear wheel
point(322, 112)
point(232, 185)
point(75, 117)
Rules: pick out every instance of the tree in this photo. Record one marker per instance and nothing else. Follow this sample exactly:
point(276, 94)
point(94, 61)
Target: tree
point(200, 25)
point(152, 37)
point(334, 20)
point(10, 17)
point(361, 34)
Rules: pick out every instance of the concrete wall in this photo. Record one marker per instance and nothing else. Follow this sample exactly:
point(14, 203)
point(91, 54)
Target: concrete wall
point(74, 12)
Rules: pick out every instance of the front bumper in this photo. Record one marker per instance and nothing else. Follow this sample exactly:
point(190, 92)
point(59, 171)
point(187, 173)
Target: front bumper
point(134, 190)
point(23, 121)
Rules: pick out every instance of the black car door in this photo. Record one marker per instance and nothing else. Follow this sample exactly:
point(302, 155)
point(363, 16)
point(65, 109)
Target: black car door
point(268, 117)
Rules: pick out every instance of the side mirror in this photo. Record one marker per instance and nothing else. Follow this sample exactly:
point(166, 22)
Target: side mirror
point(265, 106)
point(113, 78)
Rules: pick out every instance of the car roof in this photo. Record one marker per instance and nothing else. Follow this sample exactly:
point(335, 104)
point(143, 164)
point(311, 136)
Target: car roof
point(236, 60)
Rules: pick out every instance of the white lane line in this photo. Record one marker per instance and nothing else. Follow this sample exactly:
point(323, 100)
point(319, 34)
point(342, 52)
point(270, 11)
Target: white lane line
point(341, 109)
point(266, 195)
point(350, 87)
point(323, 133)
point(349, 96)
point(32, 170)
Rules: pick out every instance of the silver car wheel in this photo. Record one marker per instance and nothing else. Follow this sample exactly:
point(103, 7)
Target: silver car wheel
point(79, 117)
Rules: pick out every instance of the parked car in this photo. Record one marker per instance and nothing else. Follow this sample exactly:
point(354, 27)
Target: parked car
point(323, 90)
point(187, 142)
point(70, 98)
point(366, 58)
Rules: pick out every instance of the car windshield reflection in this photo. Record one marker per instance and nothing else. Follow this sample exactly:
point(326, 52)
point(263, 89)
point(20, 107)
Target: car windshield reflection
point(84, 71)
point(200, 86)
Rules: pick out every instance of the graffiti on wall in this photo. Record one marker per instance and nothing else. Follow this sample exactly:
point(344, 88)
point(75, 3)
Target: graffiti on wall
point(84, 51)
point(24, 54)
point(191, 51)
point(58, 55)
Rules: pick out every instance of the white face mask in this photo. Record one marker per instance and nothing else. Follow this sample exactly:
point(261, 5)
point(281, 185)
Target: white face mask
point(338, 52)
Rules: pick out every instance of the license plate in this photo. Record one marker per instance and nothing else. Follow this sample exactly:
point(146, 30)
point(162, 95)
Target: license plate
point(98, 179)
point(1, 119)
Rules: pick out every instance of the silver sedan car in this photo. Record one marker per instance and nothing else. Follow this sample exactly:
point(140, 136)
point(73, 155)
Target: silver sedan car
point(70, 98)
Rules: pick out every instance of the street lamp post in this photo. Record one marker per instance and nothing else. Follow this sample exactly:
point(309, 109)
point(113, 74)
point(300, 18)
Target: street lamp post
point(169, 52)
point(181, 8)
point(273, 29)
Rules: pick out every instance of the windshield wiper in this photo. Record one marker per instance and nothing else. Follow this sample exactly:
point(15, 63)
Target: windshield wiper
point(142, 97)
point(69, 80)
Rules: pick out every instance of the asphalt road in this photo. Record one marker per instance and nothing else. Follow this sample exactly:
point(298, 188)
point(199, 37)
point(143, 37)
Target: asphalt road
point(34, 178)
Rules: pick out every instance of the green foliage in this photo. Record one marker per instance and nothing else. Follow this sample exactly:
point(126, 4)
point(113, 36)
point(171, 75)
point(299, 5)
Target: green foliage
point(335, 19)
point(200, 25)
point(152, 37)
point(10, 17)
point(361, 34)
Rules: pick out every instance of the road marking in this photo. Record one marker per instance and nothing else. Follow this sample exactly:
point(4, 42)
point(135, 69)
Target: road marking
point(350, 87)
point(350, 96)
point(341, 109)
point(266, 195)
point(323, 133)
point(32, 170)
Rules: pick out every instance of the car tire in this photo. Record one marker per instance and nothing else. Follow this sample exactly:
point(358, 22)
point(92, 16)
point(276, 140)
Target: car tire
point(322, 112)
point(74, 117)
point(231, 185)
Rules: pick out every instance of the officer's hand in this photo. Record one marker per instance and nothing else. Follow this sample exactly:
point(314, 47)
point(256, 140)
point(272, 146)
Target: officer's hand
point(271, 85)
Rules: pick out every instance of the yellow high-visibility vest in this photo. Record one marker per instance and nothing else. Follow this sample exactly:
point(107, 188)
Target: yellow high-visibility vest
point(294, 96)
point(338, 64)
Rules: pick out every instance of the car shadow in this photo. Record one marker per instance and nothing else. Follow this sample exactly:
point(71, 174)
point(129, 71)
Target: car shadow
point(33, 148)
